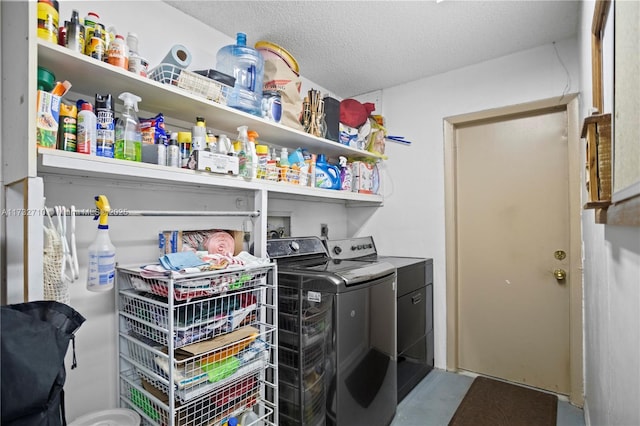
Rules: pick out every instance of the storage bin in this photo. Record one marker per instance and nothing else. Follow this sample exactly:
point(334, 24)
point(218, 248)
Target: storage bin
point(192, 82)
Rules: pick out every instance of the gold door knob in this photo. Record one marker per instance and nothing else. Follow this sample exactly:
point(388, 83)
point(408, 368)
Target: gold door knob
point(560, 274)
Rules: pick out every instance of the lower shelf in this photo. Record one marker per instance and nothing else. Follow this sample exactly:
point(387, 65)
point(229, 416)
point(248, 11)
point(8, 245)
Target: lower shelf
point(211, 409)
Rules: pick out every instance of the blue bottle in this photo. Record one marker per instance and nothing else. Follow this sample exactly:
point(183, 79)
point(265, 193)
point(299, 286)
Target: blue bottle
point(247, 66)
point(327, 175)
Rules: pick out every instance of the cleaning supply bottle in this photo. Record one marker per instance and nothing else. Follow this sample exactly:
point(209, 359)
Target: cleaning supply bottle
point(253, 135)
point(75, 33)
point(105, 135)
point(199, 135)
point(245, 160)
point(283, 165)
point(86, 130)
point(184, 143)
point(246, 64)
point(128, 133)
point(102, 254)
point(327, 175)
point(346, 175)
point(173, 151)
point(262, 152)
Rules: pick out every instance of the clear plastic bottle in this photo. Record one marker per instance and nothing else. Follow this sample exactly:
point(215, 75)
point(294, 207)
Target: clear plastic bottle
point(253, 135)
point(223, 145)
point(86, 130)
point(246, 64)
point(102, 254)
point(128, 134)
point(245, 159)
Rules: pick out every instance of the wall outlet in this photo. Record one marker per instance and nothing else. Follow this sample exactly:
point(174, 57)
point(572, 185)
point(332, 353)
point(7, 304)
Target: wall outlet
point(324, 230)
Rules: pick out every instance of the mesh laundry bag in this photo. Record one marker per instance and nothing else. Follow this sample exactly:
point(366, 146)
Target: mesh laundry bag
point(34, 340)
point(56, 286)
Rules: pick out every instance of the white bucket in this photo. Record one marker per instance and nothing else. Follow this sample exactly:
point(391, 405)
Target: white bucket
point(114, 417)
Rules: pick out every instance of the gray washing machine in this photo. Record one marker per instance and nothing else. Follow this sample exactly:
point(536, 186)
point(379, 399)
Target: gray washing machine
point(414, 306)
point(336, 337)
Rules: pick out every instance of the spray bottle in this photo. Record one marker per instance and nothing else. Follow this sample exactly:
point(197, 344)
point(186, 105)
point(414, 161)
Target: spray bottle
point(102, 254)
point(253, 135)
point(245, 159)
point(346, 175)
point(128, 133)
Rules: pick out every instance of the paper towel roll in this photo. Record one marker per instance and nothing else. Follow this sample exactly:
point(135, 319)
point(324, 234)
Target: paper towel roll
point(178, 56)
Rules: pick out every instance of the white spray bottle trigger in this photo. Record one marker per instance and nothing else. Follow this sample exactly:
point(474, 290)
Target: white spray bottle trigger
point(130, 100)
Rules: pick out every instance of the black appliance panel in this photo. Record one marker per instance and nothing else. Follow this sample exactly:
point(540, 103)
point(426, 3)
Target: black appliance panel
point(414, 307)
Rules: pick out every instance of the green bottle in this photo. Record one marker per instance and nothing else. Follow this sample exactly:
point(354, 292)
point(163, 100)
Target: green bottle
point(128, 134)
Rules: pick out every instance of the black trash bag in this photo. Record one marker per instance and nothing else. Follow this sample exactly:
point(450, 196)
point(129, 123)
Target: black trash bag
point(34, 340)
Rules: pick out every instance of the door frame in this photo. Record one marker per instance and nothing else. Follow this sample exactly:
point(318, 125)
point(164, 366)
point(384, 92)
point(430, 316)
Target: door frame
point(576, 170)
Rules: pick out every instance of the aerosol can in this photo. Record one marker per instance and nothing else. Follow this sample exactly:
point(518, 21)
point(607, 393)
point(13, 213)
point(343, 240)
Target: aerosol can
point(102, 254)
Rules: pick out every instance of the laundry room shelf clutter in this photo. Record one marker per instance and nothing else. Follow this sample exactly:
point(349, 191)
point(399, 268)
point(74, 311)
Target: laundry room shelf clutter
point(178, 105)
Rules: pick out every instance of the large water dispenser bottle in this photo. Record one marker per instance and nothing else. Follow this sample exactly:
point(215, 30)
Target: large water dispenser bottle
point(247, 66)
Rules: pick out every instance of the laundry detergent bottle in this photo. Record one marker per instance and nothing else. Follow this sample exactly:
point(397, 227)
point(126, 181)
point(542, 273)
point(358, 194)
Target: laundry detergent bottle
point(246, 64)
point(327, 175)
point(102, 254)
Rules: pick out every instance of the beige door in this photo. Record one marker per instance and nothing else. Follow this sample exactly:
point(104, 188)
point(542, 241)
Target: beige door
point(512, 221)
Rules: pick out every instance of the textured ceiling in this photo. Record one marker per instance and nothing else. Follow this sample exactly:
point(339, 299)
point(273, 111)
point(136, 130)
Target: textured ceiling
point(356, 47)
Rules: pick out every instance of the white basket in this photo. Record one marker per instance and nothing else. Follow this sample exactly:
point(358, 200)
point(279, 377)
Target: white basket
point(192, 82)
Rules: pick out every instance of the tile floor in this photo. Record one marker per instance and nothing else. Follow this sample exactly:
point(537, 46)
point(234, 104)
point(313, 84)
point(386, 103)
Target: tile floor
point(434, 400)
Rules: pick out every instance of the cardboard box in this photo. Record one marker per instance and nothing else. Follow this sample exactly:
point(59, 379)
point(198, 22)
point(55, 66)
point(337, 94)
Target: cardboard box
point(214, 162)
point(47, 119)
point(362, 177)
point(222, 346)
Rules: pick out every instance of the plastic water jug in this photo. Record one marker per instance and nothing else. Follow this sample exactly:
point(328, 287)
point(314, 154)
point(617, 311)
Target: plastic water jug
point(247, 66)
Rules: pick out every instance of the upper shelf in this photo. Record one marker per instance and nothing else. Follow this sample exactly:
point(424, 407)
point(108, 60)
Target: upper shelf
point(55, 161)
point(89, 76)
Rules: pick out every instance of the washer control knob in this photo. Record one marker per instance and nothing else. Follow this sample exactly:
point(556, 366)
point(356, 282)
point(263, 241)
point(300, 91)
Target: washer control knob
point(337, 250)
point(294, 246)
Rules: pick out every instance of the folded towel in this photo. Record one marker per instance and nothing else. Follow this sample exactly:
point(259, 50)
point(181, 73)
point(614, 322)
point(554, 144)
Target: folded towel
point(181, 260)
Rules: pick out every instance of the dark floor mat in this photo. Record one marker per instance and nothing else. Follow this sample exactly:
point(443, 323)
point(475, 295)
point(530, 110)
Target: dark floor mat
point(365, 380)
point(491, 402)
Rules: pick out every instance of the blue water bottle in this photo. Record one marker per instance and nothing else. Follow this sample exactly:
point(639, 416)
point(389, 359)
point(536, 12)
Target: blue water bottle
point(247, 66)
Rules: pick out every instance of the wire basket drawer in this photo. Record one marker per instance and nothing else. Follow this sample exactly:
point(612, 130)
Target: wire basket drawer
point(196, 375)
point(199, 285)
point(214, 408)
point(148, 316)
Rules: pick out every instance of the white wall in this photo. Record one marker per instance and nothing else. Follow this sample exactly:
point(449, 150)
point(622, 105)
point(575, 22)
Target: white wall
point(412, 221)
point(611, 283)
